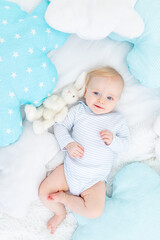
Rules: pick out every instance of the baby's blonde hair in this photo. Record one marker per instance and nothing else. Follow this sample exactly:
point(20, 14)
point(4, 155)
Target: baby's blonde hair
point(103, 72)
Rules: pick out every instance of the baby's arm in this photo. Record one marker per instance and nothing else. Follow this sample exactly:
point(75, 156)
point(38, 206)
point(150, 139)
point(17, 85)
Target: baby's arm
point(61, 131)
point(118, 142)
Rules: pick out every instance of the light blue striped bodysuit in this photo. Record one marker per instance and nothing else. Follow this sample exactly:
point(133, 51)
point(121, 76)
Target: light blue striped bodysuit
point(83, 126)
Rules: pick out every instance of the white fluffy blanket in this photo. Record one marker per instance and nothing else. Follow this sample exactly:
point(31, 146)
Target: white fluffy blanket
point(140, 105)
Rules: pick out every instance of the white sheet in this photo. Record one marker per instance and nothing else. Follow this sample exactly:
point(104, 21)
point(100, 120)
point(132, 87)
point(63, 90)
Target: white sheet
point(139, 104)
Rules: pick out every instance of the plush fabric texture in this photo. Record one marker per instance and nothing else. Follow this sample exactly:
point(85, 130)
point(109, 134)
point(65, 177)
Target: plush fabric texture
point(144, 58)
point(22, 168)
point(133, 211)
point(95, 19)
point(156, 129)
point(26, 73)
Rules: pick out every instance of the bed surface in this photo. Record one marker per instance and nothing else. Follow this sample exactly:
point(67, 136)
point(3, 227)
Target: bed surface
point(140, 106)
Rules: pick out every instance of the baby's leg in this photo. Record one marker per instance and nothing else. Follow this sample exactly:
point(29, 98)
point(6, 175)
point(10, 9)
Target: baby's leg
point(90, 204)
point(53, 183)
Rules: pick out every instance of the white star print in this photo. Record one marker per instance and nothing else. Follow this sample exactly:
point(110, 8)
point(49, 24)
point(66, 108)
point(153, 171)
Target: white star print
point(48, 30)
point(1, 59)
point(20, 124)
point(26, 89)
point(11, 94)
point(15, 54)
point(35, 16)
point(8, 131)
point(10, 111)
point(20, 20)
point(7, 7)
point(30, 50)
point(33, 31)
point(17, 36)
point(14, 74)
point(2, 40)
point(36, 102)
point(4, 22)
point(43, 48)
point(44, 65)
point(29, 70)
point(41, 84)
point(56, 46)
point(53, 80)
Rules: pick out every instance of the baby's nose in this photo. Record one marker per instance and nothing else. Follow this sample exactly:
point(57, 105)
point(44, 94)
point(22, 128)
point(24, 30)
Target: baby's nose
point(101, 100)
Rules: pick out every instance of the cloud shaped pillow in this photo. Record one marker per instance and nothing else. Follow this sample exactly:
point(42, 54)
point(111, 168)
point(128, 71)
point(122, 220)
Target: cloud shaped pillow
point(144, 58)
point(133, 211)
point(26, 73)
point(95, 19)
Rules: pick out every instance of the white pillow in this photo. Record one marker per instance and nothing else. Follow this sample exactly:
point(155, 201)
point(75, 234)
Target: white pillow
point(78, 55)
point(95, 19)
point(22, 168)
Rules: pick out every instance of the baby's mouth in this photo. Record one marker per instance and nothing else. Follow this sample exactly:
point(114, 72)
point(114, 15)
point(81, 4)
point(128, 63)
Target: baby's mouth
point(98, 106)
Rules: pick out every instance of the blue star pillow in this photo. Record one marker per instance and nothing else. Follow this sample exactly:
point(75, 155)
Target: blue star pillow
point(27, 75)
point(144, 58)
point(133, 211)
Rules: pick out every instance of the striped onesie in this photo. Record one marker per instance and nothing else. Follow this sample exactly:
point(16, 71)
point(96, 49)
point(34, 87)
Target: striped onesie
point(83, 126)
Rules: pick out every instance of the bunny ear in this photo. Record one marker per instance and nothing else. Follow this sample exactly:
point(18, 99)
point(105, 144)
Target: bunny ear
point(80, 82)
point(81, 92)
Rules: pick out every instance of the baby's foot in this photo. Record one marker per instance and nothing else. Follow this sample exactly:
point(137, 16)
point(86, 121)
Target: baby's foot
point(54, 222)
point(57, 197)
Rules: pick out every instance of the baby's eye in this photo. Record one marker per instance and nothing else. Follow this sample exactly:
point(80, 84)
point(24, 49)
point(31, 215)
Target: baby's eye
point(96, 93)
point(109, 98)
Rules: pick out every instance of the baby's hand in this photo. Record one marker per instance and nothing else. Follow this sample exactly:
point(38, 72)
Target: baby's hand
point(106, 136)
point(75, 150)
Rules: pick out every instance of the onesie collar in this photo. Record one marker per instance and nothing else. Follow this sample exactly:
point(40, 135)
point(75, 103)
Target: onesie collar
point(85, 106)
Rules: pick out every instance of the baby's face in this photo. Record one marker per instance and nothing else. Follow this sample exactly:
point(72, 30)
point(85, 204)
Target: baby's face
point(103, 93)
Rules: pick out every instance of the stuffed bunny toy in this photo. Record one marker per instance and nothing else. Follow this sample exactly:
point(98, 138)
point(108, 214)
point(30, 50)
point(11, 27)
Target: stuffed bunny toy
point(55, 107)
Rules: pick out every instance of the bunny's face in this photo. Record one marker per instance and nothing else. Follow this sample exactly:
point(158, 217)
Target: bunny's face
point(70, 95)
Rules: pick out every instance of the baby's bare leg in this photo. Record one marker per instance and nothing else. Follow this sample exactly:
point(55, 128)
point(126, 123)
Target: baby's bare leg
point(53, 183)
point(90, 204)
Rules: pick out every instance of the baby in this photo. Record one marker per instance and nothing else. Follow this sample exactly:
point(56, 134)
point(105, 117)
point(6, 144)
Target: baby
point(92, 134)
